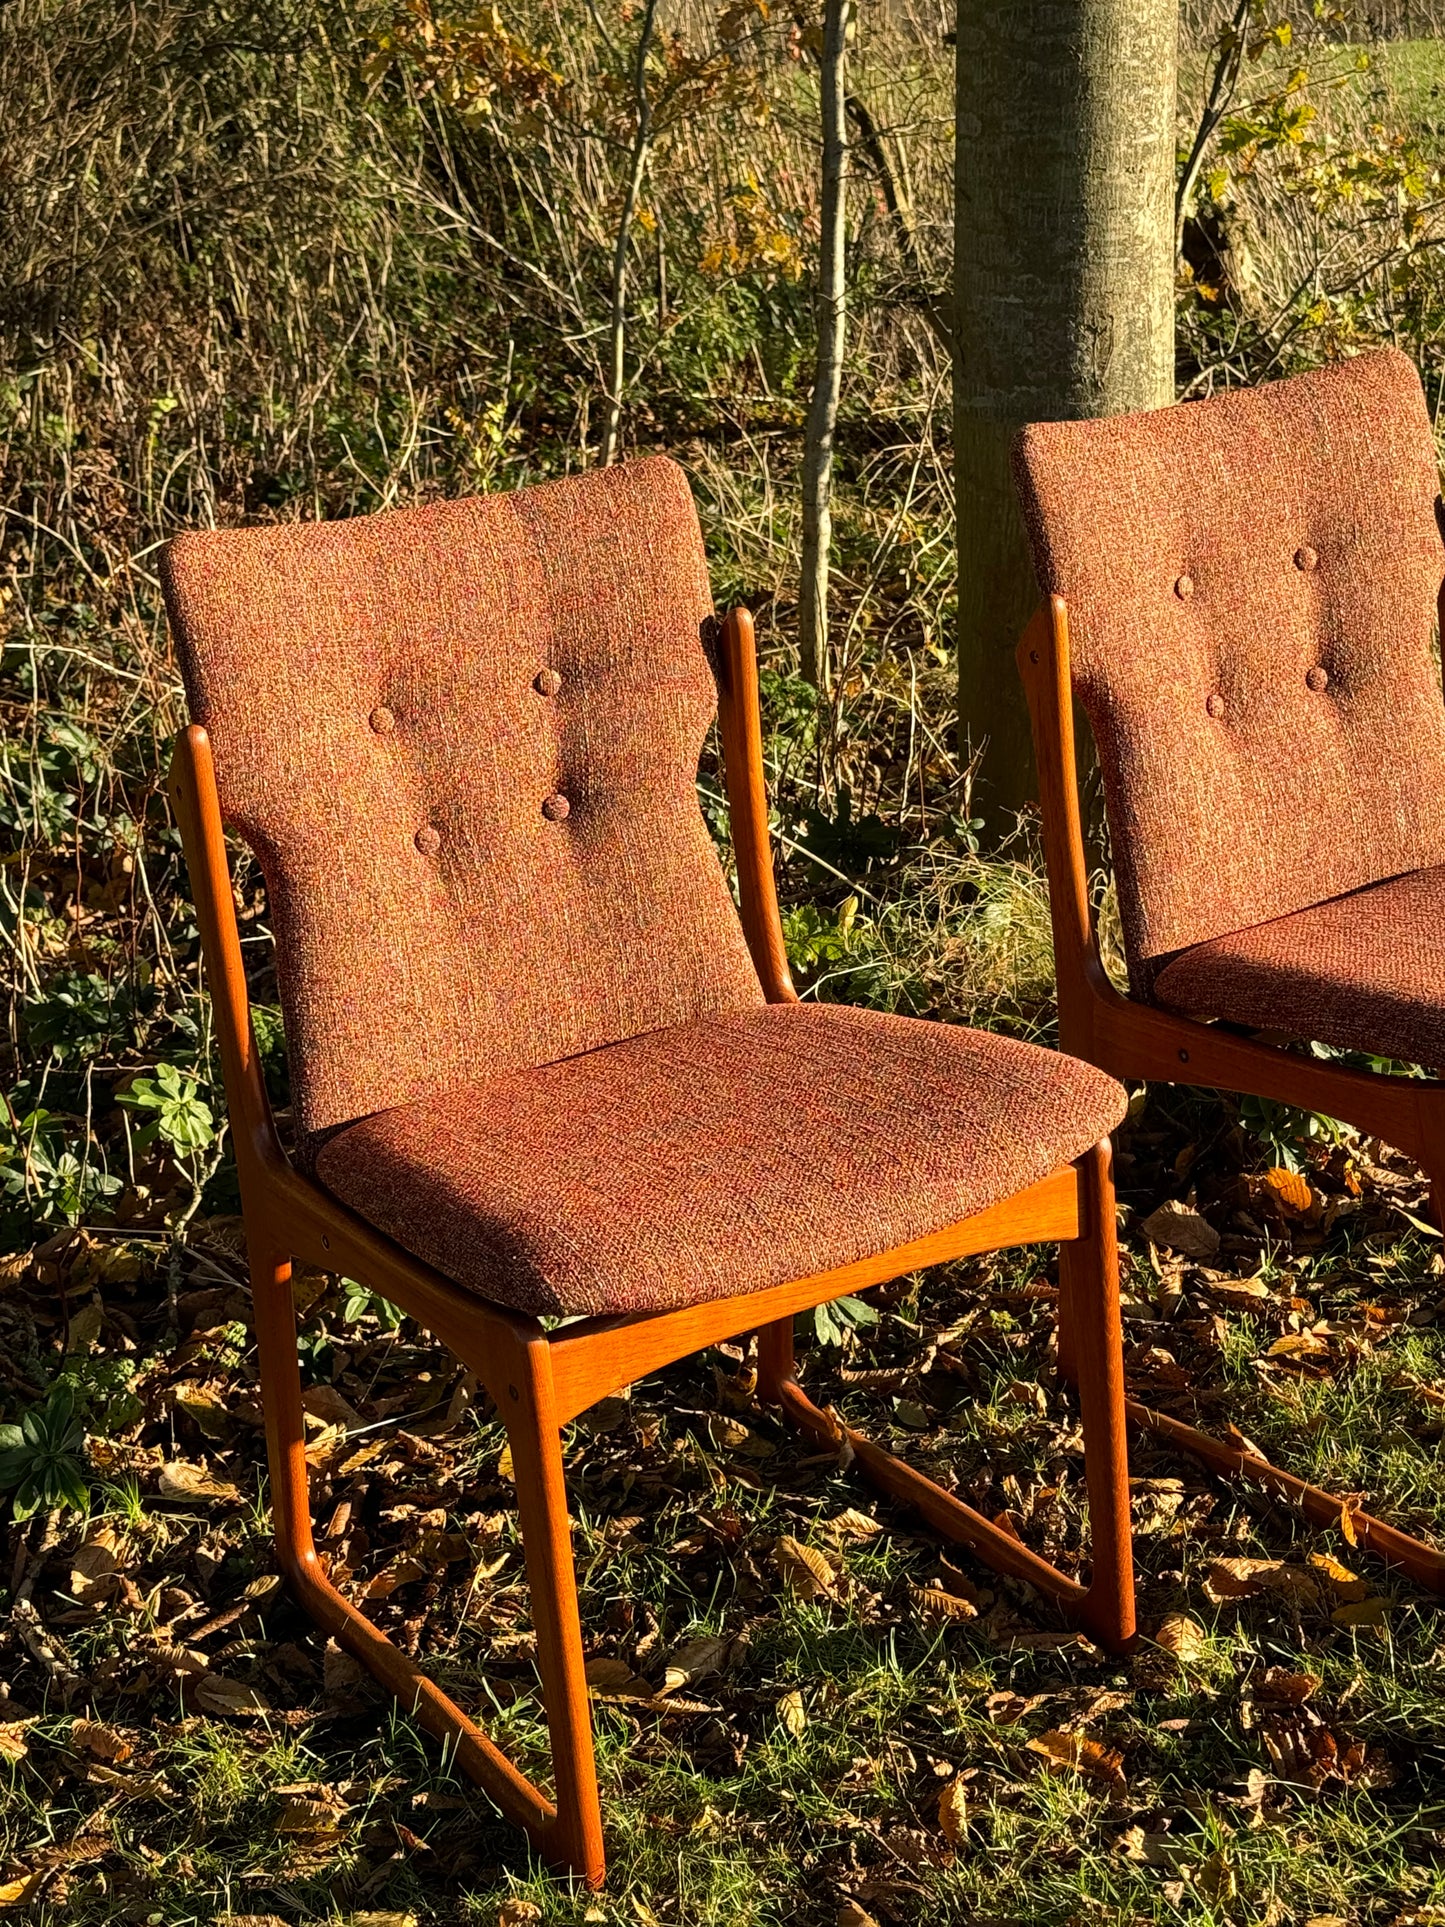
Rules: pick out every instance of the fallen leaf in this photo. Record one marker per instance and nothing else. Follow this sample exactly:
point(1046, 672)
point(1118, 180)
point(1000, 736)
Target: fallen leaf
point(807, 1571)
point(17, 1893)
point(853, 1524)
point(1182, 1636)
point(1245, 1578)
point(1291, 1689)
point(1362, 1612)
point(182, 1480)
point(695, 1660)
point(1182, 1229)
point(1076, 1752)
point(953, 1812)
point(216, 1694)
point(1288, 1192)
point(1340, 1580)
point(850, 1914)
point(793, 1714)
point(13, 1745)
point(101, 1742)
point(517, 1912)
point(934, 1602)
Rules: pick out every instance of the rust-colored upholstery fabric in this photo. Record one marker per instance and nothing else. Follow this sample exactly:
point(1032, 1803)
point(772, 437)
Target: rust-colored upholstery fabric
point(1251, 587)
point(463, 742)
point(1365, 972)
point(716, 1157)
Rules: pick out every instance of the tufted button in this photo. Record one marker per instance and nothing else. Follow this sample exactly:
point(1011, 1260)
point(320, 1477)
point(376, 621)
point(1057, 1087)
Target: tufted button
point(1318, 678)
point(1184, 587)
point(1306, 559)
point(428, 840)
point(382, 720)
point(556, 808)
point(546, 682)
point(1215, 704)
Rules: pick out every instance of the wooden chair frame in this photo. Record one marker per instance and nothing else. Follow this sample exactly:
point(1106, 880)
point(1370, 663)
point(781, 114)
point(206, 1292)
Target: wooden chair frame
point(1136, 1040)
point(540, 1379)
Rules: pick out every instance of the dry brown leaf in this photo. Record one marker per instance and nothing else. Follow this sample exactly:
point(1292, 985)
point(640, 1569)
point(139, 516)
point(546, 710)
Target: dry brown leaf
point(1362, 1612)
point(1343, 1583)
point(852, 1524)
point(1182, 1229)
point(851, 1914)
point(953, 1812)
point(1299, 1345)
point(1226, 1579)
point(213, 1693)
point(505, 1468)
point(1278, 1683)
point(933, 1602)
point(695, 1660)
point(793, 1714)
point(311, 1817)
point(1182, 1636)
point(1007, 1709)
point(182, 1480)
point(18, 1893)
point(517, 1912)
point(101, 1742)
point(810, 1573)
point(1288, 1192)
point(1076, 1752)
point(13, 1745)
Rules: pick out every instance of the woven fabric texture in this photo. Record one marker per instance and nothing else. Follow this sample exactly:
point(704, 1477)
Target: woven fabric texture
point(1365, 972)
point(463, 742)
point(1251, 586)
point(717, 1157)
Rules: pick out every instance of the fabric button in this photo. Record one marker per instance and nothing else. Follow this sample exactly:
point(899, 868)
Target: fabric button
point(428, 840)
point(556, 808)
point(1306, 559)
point(1318, 678)
point(547, 682)
point(382, 721)
point(1215, 704)
point(1184, 587)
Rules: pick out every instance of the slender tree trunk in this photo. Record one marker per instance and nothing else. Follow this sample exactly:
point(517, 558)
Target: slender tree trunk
point(1064, 283)
point(828, 376)
point(641, 144)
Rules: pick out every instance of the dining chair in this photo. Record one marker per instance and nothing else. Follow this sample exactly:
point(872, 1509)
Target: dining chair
point(1243, 594)
point(553, 1097)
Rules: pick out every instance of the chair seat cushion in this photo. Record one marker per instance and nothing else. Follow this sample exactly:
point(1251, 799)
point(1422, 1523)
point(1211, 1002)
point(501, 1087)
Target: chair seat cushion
point(1363, 972)
point(716, 1157)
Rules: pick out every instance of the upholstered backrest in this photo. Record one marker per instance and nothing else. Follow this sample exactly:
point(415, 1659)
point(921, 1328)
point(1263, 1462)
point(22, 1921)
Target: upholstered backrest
point(463, 741)
point(1251, 585)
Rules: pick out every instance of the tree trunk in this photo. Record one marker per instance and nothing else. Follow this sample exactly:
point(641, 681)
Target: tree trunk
point(828, 376)
point(1064, 284)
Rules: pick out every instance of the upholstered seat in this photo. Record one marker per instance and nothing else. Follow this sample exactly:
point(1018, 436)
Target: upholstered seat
point(1364, 972)
point(716, 1157)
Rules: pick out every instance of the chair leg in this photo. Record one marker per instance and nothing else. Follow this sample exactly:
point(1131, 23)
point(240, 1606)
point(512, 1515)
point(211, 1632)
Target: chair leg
point(1091, 1346)
point(552, 1575)
point(571, 1840)
point(1091, 1283)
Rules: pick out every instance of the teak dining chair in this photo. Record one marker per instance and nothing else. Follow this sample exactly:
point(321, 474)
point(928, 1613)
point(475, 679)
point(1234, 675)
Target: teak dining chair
point(539, 1070)
point(1241, 594)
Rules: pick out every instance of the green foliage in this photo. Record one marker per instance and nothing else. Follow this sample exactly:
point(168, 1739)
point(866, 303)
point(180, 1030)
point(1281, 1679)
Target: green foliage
point(360, 1303)
point(173, 1109)
point(841, 1320)
point(41, 1458)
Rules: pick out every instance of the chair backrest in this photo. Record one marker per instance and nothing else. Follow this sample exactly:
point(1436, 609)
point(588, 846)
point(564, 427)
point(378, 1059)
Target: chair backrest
point(463, 742)
point(1251, 585)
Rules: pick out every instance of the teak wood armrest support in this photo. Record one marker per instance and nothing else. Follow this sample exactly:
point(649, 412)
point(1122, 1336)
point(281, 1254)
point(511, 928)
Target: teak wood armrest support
point(1135, 1040)
point(541, 1380)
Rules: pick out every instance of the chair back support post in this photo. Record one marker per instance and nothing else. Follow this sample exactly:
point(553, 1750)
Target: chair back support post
point(1082, 983)
point(740, 725)
point(191, 785)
